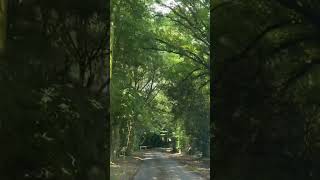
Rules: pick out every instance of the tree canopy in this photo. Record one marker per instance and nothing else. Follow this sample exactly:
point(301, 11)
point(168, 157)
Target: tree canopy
point(54, 84)
point(265, 83)
point(160, 74)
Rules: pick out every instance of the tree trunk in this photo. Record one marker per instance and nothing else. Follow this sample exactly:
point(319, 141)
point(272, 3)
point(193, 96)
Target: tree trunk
point(115, 141)
point(3, 25)
point(129, 144)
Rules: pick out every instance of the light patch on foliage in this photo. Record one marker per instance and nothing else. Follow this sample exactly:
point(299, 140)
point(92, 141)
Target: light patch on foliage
point(66, 171)
point(44, 136)
point(158, 8)
point(64, 107)
point(95, 104)
point(47, 95)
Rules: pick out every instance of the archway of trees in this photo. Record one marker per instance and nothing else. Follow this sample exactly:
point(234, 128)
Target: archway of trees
point(55, 77)
point(160, 75)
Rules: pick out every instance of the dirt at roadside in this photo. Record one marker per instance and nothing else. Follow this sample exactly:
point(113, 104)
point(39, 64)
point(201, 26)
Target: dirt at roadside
point(199, 166)
point(125, 168)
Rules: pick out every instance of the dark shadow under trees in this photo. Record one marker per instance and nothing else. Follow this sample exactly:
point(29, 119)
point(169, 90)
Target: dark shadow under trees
point(265, 105)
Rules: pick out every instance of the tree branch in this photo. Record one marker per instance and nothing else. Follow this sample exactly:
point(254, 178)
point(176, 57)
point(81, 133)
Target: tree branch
point(255, 41)
point(185, 18)
point(179, 53)
point(191, 55)
point(104, 85)
point(220, 5)
point(308, 13)
point(301, 72)
point(195, 35)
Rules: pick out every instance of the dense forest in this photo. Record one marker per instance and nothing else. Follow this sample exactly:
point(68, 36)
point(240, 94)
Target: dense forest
point(160, 76)
point(57, 60)
point(54, 76)
point(265, 89)
point(82, 80)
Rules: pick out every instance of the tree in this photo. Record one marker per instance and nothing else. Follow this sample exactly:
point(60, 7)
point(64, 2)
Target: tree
point(260, 73)
point(155, 63)
point(55, 112)
point(3, 20)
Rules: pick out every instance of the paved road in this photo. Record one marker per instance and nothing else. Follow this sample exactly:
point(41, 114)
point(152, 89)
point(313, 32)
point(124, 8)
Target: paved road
point(158, 166)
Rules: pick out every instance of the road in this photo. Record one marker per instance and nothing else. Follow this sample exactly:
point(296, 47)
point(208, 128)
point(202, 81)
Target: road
point(158, 166)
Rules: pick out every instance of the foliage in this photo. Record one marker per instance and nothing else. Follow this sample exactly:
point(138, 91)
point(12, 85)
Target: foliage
point(160, 80)
point(54, 117)
point(263, 72)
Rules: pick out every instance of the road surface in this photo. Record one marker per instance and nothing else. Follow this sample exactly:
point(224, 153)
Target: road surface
point(157, 166)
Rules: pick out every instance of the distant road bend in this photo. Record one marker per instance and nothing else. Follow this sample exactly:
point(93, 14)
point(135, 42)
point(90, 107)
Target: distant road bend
point(157, 166)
